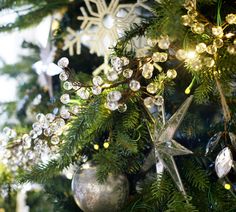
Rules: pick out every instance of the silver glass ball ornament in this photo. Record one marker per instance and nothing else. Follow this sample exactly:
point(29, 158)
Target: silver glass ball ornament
point(92, 196)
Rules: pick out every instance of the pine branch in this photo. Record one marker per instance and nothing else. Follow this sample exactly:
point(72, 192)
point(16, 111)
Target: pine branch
point(36, 13)
point(195, 175)
point(161, 189)
point(178, 204)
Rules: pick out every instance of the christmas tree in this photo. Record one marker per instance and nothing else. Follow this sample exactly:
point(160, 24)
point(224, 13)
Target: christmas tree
point(143, 115)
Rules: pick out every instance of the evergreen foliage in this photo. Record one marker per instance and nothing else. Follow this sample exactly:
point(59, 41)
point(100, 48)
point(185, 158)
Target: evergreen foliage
point(128, 133)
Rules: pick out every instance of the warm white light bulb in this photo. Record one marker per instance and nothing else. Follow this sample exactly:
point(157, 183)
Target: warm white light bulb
point(191, 55)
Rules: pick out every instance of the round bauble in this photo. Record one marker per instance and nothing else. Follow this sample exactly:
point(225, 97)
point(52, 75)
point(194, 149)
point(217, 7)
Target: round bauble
point(92, 196)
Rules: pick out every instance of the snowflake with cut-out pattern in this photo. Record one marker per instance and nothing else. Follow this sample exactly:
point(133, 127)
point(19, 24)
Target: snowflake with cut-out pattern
point(102, 25)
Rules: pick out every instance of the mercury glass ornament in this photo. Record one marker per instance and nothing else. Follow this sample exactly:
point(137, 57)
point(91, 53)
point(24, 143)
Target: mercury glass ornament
point(122, 107)
point(96, 90)
point(112, 76)
point(152, 88)
point(218, 43)
point(65, 98)
point(97, 80)
point(231, 49)
point(114, 96)
point(164, 42)
point(63, 62)
point(134, 85)
point(148, 102)
point(63, 76)
point(55, 140)
point(158, 100)
point(224, 162)
point(211, 49)
point(209, 62)
point(201, 47)
point(92, 196)
point(217, 31)
point(198, 28)
point(112, 105)
point(181, 54)
point(127, 73)
point(231, 18)
point(67, 85)
point(83, 93)
point(171, 73)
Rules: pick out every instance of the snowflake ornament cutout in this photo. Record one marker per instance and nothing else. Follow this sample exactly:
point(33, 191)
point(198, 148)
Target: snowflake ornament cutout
point(103, 24)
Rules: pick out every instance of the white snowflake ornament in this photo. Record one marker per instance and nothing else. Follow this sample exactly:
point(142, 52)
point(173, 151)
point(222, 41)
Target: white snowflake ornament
point(104, 23)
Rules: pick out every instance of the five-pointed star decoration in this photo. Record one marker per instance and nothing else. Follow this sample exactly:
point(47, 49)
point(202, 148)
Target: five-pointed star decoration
point(166, 147)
